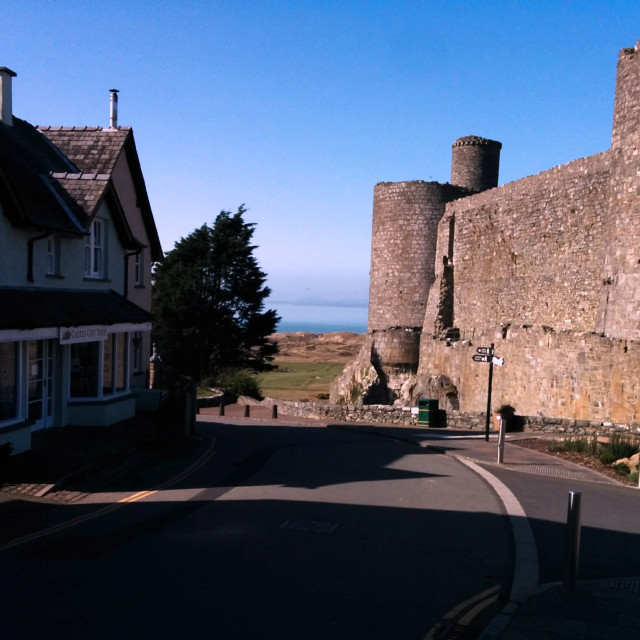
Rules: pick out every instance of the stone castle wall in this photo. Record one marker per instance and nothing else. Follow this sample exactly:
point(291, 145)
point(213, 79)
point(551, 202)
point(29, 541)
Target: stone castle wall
point(547, 268)
point(567, 374)
point(529, 252)
point(619, 313)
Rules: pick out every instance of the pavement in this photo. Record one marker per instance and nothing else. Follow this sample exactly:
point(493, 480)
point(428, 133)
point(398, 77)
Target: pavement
point(66, 465)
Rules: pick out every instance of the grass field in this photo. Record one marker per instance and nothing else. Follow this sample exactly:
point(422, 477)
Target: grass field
point(300, 380)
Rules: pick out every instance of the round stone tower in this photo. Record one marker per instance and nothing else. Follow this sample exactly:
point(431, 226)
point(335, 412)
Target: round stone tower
point(403, 246)
point(475, 163)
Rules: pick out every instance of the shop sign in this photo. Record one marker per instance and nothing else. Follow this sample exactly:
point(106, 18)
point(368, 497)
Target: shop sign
point(73, 335)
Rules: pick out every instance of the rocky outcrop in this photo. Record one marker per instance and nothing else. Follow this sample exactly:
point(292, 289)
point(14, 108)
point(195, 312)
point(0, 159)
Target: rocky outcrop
point(357, 380)
point(429, 386)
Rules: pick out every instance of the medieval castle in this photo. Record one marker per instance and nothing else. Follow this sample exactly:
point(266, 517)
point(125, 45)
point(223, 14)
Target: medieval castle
point(547, 268)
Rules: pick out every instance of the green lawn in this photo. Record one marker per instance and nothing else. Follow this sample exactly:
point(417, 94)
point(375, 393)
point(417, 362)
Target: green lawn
point(300, 380)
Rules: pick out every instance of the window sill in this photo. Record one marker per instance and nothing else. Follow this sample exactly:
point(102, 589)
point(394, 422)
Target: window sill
point(13, 424)
point(93, 400)
point(54, 276)
point(89, 279)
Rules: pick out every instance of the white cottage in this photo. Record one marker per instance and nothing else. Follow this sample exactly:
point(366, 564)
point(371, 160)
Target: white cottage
point(77, 241)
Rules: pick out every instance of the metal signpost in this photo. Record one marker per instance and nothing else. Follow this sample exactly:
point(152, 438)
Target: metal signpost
point(486, 354)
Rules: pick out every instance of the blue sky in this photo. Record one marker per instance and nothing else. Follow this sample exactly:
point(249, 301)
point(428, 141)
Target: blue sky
point(298, 108)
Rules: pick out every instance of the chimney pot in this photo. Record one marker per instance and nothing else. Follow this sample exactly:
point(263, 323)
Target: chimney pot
point(6, 105)
point(113, 115)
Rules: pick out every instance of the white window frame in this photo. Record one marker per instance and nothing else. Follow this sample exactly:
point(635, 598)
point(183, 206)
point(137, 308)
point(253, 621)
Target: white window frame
point(95, 250)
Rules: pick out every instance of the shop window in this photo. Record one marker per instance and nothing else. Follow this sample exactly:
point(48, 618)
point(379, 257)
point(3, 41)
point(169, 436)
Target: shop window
point(114, 370)
point(85, 361)
point(99, 369)
point(8, 380)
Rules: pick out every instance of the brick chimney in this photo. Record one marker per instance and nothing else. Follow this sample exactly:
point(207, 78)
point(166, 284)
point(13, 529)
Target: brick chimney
point(6, 107)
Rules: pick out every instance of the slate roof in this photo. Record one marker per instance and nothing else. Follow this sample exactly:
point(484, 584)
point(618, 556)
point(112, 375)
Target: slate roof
point(24, 308)
point(54, 178)
point(31, 197)
point(86, 189)
point(91, 149)
point(95, 151)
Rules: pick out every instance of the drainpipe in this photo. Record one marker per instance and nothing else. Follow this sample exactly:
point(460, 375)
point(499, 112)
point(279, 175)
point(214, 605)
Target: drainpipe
point(30, 254)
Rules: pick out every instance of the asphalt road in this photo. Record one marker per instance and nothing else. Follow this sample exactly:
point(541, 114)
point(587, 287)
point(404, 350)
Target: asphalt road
point(609, 516)
point(286, 532)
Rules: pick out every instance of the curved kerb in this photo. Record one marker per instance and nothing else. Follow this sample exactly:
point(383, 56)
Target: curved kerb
point(525, 570)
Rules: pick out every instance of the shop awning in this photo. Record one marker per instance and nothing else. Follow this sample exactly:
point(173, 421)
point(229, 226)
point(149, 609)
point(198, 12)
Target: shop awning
point(35, 308)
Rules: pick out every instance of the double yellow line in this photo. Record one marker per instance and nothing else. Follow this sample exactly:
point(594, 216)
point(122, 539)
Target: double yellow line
point(138, 496)
point(112, 507)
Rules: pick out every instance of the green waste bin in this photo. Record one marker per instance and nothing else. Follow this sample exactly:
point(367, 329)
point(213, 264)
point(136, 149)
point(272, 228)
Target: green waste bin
point(428, 413)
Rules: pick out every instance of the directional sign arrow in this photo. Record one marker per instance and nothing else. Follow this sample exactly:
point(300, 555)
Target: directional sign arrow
point(498, 361)
point(480, 358)
point(486, 350)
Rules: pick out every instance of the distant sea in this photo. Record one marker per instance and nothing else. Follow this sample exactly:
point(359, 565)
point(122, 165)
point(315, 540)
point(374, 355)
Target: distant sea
point(319, 318)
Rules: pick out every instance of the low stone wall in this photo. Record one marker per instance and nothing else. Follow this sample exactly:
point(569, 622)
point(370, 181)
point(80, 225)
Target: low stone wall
point(458, 420)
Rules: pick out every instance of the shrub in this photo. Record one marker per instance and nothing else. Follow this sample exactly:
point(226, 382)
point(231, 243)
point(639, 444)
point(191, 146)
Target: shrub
point(621, 447)
point(241, 383)
point(622, 469)
point(587, 446)
point(606, 456)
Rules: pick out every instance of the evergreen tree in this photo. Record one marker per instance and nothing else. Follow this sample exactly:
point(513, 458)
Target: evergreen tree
point(208, 301)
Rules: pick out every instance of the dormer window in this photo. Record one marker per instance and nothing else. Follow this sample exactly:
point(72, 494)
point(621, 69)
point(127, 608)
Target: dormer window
point(94, 250)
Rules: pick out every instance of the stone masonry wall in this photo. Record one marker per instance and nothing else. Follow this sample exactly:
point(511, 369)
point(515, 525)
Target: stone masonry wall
point(459, 420)
point(529, 252)
point(620, 305)
point(570, 375)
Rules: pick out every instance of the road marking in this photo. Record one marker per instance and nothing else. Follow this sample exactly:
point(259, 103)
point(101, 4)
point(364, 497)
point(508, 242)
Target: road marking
point(474, 604)
point(112, 507)
point(138, 496)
